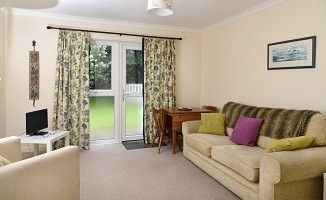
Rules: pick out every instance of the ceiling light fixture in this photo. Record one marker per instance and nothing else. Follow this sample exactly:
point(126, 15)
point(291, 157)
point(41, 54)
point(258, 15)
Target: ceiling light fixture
point(160, 7)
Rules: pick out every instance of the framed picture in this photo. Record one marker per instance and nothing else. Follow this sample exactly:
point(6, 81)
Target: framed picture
point(292, 54)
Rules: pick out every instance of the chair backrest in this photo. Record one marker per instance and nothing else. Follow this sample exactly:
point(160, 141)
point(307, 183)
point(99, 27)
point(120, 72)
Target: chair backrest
point(158, 119)
point(212, 108)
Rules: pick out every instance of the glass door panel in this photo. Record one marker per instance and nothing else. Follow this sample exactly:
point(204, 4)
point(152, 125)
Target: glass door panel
point(132, 92)
point(103, 62)
point(101, 118)
point(134, 116)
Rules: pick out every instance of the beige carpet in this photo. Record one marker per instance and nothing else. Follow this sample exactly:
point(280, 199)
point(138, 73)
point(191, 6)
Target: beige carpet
point(110, 172)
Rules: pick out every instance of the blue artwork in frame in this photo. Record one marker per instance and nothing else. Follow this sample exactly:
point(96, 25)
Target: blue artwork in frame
point(292, 54)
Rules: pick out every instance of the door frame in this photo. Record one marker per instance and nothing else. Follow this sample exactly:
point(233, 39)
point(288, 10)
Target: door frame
point(117, 85)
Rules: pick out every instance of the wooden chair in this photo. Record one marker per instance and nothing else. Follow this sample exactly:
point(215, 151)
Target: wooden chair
point(212, 108)
point(161, 130)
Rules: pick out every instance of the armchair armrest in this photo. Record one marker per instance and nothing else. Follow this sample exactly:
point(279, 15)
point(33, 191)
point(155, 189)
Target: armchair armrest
point(10, 148)
point(53, 175)
point(190, 127)
point(290, 166)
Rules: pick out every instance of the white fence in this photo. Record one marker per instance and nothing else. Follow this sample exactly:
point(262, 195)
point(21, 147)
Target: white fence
point(134, 88)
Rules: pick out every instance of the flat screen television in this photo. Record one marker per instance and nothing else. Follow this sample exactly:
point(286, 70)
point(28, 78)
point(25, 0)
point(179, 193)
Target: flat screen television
point(36, 121)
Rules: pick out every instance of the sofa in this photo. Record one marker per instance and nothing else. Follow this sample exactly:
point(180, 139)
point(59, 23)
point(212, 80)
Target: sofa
point(250, 172)
point(52, 176)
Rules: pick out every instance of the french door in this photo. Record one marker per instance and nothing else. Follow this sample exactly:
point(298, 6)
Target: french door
point(132, 91)
point(116, 97)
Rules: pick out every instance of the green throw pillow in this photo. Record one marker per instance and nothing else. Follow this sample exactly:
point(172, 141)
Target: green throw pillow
point(212, 123)
point(4, 161)
point(289, 144)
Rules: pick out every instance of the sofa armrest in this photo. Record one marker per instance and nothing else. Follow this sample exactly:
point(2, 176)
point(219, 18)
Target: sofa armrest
point(54, 175)
point(190, 127)
point(10, 148)
point(290, 166)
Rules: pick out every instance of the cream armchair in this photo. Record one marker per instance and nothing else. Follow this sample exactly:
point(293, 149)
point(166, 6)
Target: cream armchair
point(52, 176)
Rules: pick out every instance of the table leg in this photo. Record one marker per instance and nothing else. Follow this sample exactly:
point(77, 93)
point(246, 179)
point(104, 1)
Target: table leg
point(48, 147)
point(67, 140)
point(174, 140)
point(35, 149)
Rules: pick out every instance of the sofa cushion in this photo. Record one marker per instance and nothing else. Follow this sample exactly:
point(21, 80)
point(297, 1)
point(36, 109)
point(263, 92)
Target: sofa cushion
point(229, 131)
point(264, 141)
point(212, 123)
point(241, 159)
point(204, 142)
point(246, 131)
point(317, 129)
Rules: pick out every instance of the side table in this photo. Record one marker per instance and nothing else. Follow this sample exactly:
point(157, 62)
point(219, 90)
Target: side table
point(46, 139)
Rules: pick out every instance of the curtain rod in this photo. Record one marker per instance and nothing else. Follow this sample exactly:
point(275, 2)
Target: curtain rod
point(114, 33)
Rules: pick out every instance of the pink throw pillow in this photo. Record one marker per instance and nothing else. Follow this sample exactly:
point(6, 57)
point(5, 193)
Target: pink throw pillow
point(246, 131)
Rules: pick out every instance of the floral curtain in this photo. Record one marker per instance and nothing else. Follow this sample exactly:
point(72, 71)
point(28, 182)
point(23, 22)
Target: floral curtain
point(71, 98)
point(159, 79)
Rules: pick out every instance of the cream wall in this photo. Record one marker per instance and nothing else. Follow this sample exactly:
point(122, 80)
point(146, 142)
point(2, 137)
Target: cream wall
point(234, 59)
point(23, 29)
point(2, 72)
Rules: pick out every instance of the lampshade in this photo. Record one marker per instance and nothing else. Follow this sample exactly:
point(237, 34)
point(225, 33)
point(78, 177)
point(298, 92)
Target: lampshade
point(160, 7)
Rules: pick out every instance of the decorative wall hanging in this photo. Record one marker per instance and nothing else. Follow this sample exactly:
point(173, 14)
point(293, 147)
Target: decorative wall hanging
point(34, 74)
point(292, 54)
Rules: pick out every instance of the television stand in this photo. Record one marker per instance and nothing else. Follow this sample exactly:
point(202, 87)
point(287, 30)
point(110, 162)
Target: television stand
point(47, 139)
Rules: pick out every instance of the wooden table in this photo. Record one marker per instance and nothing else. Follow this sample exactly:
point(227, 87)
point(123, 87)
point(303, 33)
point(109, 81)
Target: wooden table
point(174, 117)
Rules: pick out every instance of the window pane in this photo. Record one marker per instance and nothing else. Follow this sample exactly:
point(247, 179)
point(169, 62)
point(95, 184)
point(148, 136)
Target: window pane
point(134, 67)
point(134, 116)
point(100, 67)
point(101, 118)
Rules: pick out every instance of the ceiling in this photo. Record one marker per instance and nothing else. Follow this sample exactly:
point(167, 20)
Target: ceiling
point(193, 14)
